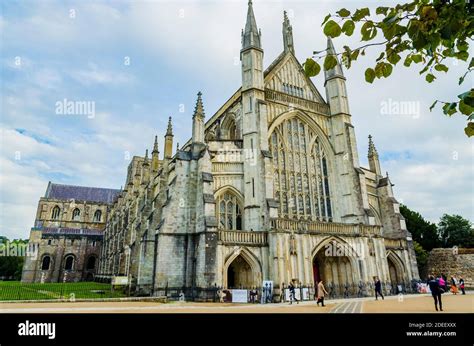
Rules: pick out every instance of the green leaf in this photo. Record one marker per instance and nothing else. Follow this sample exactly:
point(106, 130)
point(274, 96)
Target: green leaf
point(343, 12)
point(379, 69)
point(381, 10)
point(369, 75)
point(462, 45)
point(360, 13)
point(355, 54)
point(449, 108)
point(469, 130)
point(462, 55)
point(433, 105)
point(441, 67)
point(311, 68)
point(430, 77)
point(471, 64)
point(387, 70)
point(332, 29)
point(368, 31)
point(461, 80)
point(380, 56)
point(393, 58)
point(416, 58)
point(408, 61)
point(464, 108)
point(326, 19)
point(348, 27)
point(329, 62)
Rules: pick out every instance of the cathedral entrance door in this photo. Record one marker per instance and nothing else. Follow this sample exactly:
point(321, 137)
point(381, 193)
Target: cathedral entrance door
point(239, 274)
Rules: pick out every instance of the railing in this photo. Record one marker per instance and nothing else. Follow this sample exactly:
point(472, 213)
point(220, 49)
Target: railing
point(274, 95)
point(326, 227)
point(227, 167)
point(246, 238)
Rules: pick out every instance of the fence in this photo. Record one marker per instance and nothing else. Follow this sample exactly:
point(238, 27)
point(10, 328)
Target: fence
point(14, 290)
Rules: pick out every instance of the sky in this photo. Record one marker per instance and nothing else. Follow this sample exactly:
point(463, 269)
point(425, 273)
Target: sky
point(139, 62)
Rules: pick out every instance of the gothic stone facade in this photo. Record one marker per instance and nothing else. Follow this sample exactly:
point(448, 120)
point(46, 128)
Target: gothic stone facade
point(268, 188)
point(67, 234)
point(261, 191)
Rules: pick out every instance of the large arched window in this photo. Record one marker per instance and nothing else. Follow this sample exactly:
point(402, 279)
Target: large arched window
point(97, 216)
point(45, 263)
point(55, 213)
point(301, 182)
point(76, 215)
point(229, 211)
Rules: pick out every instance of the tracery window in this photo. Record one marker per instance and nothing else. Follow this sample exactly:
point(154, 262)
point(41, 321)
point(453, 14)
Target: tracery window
point(97, 216)
point(229, 211)
point(301, 182)
point(76, 214)
point(55, 213)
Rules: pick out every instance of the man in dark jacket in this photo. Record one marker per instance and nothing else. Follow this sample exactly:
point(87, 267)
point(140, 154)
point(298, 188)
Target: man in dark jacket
point(436, 291)
point(378, 288)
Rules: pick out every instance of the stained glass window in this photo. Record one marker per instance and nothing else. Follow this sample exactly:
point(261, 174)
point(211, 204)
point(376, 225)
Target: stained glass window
point(301, 183)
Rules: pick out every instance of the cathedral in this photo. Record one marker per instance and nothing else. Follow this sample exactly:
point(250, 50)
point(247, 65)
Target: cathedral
point(268, 188)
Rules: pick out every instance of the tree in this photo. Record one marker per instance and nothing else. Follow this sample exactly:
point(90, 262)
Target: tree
point(423, 232)
point(454, 230)
point(421, 257)
point(11, 266)
point(426, 32)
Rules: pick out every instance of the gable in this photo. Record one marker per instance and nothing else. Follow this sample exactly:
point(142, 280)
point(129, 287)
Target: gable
point(286, 75)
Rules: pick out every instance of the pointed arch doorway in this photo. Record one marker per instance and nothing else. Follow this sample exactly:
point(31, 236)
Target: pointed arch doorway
point(239, 274)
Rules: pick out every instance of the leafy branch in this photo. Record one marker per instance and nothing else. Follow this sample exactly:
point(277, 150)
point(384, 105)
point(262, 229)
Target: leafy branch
point(425, 32)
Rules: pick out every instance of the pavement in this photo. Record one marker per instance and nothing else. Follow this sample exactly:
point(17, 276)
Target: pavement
point(420, 303)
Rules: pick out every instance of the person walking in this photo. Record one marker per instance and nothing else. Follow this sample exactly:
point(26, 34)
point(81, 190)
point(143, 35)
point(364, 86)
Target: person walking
point(436, 290)
point(321, 293)
point(378, 288)
point(291, 287)
point(461, 285)
point(454, 287)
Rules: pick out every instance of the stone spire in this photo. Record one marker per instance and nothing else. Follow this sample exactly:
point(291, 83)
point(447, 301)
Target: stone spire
point(251, 35)
point(198, 121)
point(155, 156)
point(373, 156)
point(169, 130)
point(337, 70)
point(145, 161)
point(168, 152)
point(287, 34)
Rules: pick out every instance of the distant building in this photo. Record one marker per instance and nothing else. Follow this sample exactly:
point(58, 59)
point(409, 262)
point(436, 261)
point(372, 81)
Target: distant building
point(68, 232)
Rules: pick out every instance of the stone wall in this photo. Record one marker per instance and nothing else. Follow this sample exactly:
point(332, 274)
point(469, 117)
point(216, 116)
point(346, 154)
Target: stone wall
point(453, 262)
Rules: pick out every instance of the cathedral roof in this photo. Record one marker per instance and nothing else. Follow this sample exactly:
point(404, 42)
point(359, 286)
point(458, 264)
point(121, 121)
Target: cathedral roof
point(82, 193)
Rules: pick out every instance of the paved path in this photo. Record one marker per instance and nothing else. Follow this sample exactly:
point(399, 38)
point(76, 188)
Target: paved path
point(391, 304)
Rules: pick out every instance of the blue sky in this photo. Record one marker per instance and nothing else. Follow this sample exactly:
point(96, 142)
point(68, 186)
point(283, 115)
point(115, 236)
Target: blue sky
point(143, 61)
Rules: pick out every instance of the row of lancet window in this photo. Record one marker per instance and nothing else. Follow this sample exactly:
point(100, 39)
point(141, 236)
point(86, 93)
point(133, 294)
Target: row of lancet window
point(76, 214)
point(301, 178)
point(69, 263)
point(293, 90)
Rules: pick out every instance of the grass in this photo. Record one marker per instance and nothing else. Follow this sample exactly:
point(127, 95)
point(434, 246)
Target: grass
point(15, 290)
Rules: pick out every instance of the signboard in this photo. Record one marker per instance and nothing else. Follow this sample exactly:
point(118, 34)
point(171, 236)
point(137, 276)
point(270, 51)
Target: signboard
point(287, 294)
point(120, 280)
point(306, 293)
point(297, 294)
point(267, 292)
point(239, 296)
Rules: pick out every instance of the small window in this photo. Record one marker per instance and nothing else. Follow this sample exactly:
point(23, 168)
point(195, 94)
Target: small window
point(45, 263)
point(69, 265)
point(55, 213)
point(49, 241)
point(76, 215)
point(91, 263)
point(97, 216)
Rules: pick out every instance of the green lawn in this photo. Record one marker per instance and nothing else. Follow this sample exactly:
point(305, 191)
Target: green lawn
point(15, 290)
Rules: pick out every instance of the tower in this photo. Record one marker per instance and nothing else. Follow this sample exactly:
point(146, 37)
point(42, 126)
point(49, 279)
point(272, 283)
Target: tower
point(254, 127)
